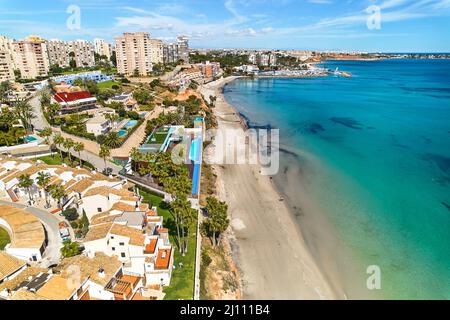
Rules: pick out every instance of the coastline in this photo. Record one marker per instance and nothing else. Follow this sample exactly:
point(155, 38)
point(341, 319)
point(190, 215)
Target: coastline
point(267, 244)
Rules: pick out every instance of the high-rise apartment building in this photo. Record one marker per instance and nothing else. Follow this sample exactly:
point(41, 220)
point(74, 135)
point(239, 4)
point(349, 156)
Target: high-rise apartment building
point(83, 53)
point(133, 51)
point(103, 48)
point(170, 53)
point(183, 48)
point(7, 63)
point(58, 53)
point(32, 57)
point(156, 51)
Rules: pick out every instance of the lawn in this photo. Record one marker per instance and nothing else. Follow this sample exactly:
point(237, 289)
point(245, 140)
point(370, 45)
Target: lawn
point(4, 238)
point(108, 84)
point(182, 284)
point(56, 161)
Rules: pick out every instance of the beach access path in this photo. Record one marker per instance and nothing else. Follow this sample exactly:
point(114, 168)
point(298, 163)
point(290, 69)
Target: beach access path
point(269, 249)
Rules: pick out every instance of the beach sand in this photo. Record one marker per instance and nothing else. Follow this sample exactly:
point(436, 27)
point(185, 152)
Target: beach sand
point(268, 246)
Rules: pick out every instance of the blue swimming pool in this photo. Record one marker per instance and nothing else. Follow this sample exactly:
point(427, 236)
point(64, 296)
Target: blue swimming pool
point(195, 155)
point(131, 124)
point(30, 139)
point(123, 133)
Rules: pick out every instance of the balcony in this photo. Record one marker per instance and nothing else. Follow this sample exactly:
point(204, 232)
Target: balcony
point(124, 286)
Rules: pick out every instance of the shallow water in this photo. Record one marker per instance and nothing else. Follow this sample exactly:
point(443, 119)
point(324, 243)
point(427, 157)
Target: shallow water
point(383, 179)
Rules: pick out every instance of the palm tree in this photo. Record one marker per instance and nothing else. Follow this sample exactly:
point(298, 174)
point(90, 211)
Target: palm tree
point(46, 133)
point(26, 182)
point(68, 145)
point(136, 156)
point(217, 221)
point(70, 249)
point(59, 140)
point(79, 147)
point(53, 109)
point(112, 139)
point(58, 193)
point(43, 181)
point(5, 88)
point(105, 152)
point(25, 111)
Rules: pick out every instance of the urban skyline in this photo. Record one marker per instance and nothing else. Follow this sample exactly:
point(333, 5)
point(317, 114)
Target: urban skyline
point(315, 25)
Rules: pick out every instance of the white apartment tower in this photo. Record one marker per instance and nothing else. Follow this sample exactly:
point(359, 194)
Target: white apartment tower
point(183, 48)
point(58, 53)
point(156, 51)
point(32, 57)
point(83, 53)
point(7, 64)
point(102, 48)
point(133, 51)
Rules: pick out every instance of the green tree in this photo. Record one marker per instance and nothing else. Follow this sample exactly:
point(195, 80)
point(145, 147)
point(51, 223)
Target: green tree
point(5, 89)
point(104, 153)
point(45, 98)
point(217, 221)
point(79, 147)
point(59, 141)
point(136, 156)
point(70, 249)
point(26, 182)
point(68, 144)
point(58, 192)
point(46, 134)
point(43, 181)
point(184, 217)
point(142, 96)
point(112, 139)
point(25, 112)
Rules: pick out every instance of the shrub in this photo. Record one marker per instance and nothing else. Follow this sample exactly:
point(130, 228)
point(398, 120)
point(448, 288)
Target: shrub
point(71, 214)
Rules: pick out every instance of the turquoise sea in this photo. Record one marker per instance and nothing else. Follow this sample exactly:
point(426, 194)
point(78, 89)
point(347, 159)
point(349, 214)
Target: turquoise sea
point(374, 151)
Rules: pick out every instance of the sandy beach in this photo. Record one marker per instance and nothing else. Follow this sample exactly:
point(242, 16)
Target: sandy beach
point(268, 247)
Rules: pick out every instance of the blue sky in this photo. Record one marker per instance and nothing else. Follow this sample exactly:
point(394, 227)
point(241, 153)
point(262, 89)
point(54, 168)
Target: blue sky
point(406, 25)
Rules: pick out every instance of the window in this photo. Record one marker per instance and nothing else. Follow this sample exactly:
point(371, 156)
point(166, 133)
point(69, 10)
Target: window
point(99, 210)
point(121, 243)
point(123, 255)
point(113, 249)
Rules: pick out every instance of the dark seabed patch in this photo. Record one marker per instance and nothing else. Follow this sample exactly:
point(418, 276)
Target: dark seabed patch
point(396, 143)
point(446, 205)
point(426, 140)
point(442, 162)
point(347, 122)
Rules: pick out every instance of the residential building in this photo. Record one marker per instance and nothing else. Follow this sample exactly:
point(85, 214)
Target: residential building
point(170, 53)
point(32, 57)
point(28, 237)
point(58, 53)
point(74, 102)
point(7, 63)
point(103, 48)
point(156, 51)
point(138, 240)
point(96, 76)
point(82, 52)
point(10, 266)
point(126, 99)
point(133, 52)
point(98, 125)
point(183, 48)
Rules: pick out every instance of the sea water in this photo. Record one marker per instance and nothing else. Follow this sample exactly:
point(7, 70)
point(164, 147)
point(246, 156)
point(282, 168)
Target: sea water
point(378, 164)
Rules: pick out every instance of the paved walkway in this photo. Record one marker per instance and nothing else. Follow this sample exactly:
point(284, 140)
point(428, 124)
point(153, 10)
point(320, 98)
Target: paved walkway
point(50, 222)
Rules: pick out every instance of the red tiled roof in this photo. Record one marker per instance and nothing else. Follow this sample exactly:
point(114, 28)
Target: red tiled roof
point(71, 96)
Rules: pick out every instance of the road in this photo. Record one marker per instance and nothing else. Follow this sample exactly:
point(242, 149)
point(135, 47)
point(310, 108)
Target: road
point(51, 224)
point(39, 122)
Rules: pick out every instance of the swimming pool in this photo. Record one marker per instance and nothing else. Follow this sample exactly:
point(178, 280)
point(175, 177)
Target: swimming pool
point(122, 133)
point(131, 124)
point(30, 139)
point(195, 155)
